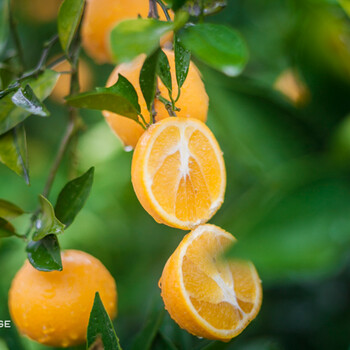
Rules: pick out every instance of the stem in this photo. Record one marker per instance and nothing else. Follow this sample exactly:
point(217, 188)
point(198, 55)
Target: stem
point(70, 130)
point(57, 61)
point(36, 71)
point(153, 10)
point(72, 123)
point(144, 125)
point(15, 35)
point(20, 236)
point(165, 10)
point(169, 105)
point(47, 47)
point(154, 112)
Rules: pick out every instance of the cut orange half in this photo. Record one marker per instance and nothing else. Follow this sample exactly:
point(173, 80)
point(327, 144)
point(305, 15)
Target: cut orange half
point(178, 172)
point(206, 295)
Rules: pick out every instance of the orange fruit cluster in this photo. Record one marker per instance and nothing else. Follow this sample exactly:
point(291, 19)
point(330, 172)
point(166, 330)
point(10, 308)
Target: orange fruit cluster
point(179, 177)
point(178, 174)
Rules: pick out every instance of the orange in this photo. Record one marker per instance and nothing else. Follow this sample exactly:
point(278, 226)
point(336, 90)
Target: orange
point(291, 86)
point(37, 10)
point(62, 86)
point(206, 295)
point(178, 172)
point(54, 307)
point(193, 101)
point(101, 16)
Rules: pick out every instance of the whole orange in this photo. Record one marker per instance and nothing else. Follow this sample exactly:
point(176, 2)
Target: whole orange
point(193, 101)
point(101, 16)
point(53, 308)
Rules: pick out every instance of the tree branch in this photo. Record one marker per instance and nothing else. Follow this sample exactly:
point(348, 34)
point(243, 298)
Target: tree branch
point(153, 10)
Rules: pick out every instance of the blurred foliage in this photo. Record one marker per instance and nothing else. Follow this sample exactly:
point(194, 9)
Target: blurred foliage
point(288, 190)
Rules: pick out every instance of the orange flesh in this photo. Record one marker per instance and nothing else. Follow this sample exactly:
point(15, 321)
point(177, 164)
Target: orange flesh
point(185, 172)
point(201, 268)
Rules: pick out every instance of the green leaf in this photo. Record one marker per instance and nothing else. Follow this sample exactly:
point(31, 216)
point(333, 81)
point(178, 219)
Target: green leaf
point(9, 210)
point(11, 115)
point(100, 326)
point(216, 45)
point(69, 17)
point(13, 151)
point(6, 229)
point(204, 7)
point(145, 338)
point(148, 78)
point(163, 71)
point(45, 255)
point(182, 61)
point(73, 197)
point(120, 98)
point(4, 23)
point(345, 5)
point(47, 223)
point(26, 99)
point(131, 38)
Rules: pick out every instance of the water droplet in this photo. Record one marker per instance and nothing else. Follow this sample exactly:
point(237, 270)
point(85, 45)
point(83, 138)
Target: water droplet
point(65, 343)
point(38, 224)
point(128, 148)
point(48, 330)
point(49, 293)
point(74, 336)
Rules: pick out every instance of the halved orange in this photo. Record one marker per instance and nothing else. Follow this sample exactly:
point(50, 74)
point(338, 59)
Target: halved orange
point(206, 295)
point(178, 172)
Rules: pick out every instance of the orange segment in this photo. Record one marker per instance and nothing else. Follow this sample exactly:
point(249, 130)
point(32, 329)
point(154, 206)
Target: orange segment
point(206, 295)
point(174, 181)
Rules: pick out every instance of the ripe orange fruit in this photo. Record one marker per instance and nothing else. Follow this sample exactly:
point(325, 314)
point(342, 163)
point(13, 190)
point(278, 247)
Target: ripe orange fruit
point(193, 100)
point(178, 172)
point(204, 294)
point(53, 308)
point(101, 16)
point(38, 11)
point(63, 83)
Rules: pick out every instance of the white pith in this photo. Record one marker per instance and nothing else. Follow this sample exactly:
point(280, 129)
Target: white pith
point(229, 294)
point(185, 154)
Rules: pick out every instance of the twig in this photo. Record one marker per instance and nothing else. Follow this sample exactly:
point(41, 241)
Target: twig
point(57, 61)
point(47, 47)
point(20, 236)
point(35, 72)
point(153, 10)
point(70, 130)
point(72, 126)
point(14, 32)
point(165, 10)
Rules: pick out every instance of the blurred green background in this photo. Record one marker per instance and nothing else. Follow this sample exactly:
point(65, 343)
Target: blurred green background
point(288, 191)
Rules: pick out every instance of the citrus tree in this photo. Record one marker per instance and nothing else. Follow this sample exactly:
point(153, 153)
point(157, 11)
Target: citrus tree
point(281, 196)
